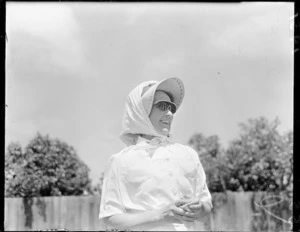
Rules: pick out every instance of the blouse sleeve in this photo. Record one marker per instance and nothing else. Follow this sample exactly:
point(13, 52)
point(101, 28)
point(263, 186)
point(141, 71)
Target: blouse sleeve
point(202, 191)
point(111, 202)
point(205, 195)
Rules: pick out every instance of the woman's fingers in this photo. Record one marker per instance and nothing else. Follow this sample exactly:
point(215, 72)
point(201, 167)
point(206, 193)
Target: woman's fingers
point(178, 211)
point(189, 219)
point(181, 202)
point(186, 202)
point(196, 206)
point(181, 214)
point(190, 214)
point(183, 218)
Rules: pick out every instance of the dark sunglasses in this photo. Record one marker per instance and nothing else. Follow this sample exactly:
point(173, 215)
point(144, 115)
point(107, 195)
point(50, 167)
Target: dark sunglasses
point(163, 106)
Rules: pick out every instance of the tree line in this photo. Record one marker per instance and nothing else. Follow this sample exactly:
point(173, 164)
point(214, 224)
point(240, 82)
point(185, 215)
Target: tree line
point(258, 159)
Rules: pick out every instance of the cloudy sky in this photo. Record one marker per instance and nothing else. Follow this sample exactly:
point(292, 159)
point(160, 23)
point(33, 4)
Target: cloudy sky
point(70, 66)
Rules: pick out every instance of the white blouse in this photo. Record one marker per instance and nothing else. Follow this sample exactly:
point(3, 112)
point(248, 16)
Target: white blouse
point(151, 175)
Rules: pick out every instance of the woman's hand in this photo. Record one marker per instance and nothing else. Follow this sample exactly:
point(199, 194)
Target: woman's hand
point(182, 215)
point(186, 210)
point(193, 209)
point(127, 221)
point(176, 212)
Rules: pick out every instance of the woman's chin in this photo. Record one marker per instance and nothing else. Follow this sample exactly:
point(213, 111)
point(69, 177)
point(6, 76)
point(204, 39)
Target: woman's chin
point(165, 131)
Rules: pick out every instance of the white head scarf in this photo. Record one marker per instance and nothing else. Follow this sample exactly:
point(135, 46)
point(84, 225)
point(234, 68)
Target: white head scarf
point(135, 118)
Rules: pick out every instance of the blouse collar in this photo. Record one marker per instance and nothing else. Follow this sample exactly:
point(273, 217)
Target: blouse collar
point(162, 140)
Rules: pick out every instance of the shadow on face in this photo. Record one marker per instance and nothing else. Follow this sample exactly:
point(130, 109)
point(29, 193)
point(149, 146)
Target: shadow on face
point(161, 117)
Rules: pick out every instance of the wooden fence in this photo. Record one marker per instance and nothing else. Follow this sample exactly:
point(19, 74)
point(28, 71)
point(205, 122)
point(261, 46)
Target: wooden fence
point(232, 212)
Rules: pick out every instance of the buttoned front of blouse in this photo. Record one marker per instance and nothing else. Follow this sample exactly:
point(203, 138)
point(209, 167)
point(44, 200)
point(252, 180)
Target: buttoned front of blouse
point(150, 176)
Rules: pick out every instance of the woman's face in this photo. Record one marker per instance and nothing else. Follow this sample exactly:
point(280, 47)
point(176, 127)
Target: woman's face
point(161, 120)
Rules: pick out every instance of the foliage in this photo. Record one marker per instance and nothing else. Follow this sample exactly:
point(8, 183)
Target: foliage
point(97, 188)
point(259, 159)
point(47, 167)
point(211, 156)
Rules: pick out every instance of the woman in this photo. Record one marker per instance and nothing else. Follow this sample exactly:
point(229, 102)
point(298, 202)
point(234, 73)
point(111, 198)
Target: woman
point(154, 184)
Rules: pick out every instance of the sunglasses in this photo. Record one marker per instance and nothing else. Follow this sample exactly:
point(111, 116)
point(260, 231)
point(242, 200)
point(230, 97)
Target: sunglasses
point(163, 106)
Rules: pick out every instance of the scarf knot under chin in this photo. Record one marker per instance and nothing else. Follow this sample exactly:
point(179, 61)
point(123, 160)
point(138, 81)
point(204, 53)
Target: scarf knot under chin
point(160, 141)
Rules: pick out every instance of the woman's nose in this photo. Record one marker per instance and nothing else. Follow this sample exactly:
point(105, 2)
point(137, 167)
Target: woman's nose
point(169, 112)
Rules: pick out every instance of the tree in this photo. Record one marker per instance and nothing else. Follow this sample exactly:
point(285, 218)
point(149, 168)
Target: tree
point(47, 167)
point(260, 159)
point(211, 156)
point(13, 161)
point(97, 188)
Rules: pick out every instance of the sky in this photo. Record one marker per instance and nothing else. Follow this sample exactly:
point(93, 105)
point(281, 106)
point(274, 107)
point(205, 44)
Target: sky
point(70, 67)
